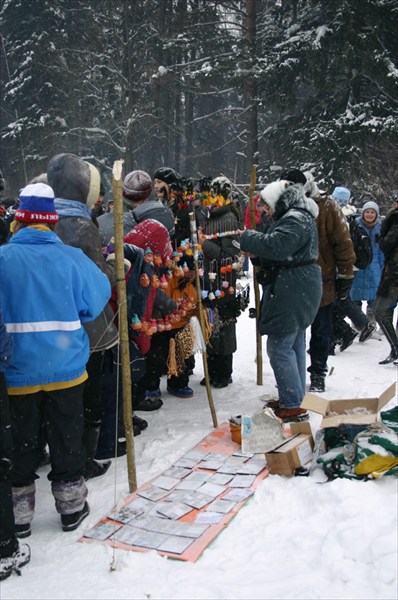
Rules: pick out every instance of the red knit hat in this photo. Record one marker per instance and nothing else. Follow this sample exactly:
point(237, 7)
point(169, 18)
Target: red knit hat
point(137, 186)
point(36, 204)
point(151, 234)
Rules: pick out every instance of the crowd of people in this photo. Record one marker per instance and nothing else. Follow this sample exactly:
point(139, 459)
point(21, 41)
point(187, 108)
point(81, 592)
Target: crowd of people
point(59, 348)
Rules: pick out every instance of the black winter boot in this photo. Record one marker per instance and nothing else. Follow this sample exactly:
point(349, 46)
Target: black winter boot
point(90, 442)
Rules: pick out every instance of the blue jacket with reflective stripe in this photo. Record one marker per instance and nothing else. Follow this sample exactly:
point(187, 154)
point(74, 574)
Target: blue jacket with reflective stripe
point(47, 290)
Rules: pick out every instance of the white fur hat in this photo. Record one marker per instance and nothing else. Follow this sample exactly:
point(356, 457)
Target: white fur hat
point(273, 191)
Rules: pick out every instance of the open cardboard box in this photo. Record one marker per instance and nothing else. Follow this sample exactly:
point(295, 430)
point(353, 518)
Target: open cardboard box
point(294, 452)
point(338, 407)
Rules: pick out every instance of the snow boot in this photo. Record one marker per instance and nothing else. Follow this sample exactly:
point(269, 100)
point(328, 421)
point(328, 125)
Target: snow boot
point(367, 331)
point(70, 501)
point(19, 559)
point(390, 358)
point(90, 441)
point(292, 415)
point(185, 392)
point(23, 501)
point(317, 383)
point(72, 521)
point(140, 423)
point(105, 453)
point(347, 339)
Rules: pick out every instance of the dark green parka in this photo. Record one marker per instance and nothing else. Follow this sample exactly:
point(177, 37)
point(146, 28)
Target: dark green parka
point(291, 301)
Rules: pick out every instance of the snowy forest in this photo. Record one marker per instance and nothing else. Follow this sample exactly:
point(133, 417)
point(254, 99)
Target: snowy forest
point(204, 86)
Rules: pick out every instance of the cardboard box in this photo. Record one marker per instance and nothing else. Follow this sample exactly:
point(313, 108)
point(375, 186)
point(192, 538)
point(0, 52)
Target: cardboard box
point(295, 452)
point(334, 411)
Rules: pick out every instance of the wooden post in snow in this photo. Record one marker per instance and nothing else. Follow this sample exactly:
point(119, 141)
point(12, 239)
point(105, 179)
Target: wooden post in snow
point(123, 324)
point(259, 350)
point(194, 238)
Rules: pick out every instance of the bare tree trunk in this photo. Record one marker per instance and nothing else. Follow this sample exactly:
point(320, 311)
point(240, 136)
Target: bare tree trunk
point(250, 89)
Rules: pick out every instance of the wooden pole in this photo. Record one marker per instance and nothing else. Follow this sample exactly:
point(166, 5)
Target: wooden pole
point(194, 238)
point(259, 350)
point(123, 324)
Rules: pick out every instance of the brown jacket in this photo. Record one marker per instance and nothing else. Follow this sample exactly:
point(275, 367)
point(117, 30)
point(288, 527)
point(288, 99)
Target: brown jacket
point(336, 250)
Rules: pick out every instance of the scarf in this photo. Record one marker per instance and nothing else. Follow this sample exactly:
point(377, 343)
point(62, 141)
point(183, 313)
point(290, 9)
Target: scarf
point(72, 208)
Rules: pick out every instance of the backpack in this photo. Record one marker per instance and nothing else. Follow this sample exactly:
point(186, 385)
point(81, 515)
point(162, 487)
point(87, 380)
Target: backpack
point(362, 245)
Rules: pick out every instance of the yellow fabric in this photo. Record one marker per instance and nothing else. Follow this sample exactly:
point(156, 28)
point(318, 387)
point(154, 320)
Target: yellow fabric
point(14, 224)
point(375, 463)
point(47, 387)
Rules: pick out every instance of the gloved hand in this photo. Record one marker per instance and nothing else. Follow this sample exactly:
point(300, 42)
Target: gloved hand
point(343, 286)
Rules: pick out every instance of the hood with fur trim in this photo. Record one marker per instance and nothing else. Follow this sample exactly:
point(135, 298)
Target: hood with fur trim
point(292, 197)
point(72, 178)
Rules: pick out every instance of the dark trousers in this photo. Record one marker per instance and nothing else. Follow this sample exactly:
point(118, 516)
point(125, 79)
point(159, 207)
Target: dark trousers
point(92, 395)
point(61, 412)
point(156, 366)
point(112, 401)
point(321, 332)
point(8, 540)
point(352, 310)
point(384, 314)
point(220, 366)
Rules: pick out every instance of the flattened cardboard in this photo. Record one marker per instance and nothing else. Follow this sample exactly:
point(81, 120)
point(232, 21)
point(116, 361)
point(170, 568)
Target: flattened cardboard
point(323, 406)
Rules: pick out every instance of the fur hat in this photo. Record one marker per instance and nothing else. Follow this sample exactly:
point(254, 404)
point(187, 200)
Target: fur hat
point(36, 204)
point(137, 186)
point(273, 191)
point(342, 195)
point(371, 205)
point(295, 176)
point(72, 178)
point(306, 179)
point(151, 234)
point(167, 175)
point(221, 186)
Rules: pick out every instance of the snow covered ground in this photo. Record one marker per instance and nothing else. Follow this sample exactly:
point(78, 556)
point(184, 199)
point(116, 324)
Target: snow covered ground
point(296, 538)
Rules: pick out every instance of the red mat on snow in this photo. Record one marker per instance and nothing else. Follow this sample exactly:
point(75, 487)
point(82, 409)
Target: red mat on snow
point(218, 445)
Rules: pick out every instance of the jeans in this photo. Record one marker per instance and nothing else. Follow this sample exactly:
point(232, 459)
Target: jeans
point(287, 357)
point(321, 333)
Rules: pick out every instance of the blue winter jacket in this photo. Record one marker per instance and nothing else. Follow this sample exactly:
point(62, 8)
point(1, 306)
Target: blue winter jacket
point(290, 245)
point(47, 291)
point(366, 281)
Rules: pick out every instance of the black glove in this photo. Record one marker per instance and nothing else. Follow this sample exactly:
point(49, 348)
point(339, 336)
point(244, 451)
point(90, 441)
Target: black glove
point(343, 287)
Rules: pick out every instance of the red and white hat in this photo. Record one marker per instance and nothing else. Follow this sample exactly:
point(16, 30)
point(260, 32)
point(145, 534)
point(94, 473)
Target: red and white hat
point(36, 204)
point(151, 234)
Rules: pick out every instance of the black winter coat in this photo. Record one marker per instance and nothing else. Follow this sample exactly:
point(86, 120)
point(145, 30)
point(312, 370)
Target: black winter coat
point(388, 242)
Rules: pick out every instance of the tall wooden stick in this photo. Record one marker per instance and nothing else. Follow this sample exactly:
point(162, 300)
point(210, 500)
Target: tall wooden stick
point(123, 325)
point(194, 238)
point(259, 350)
